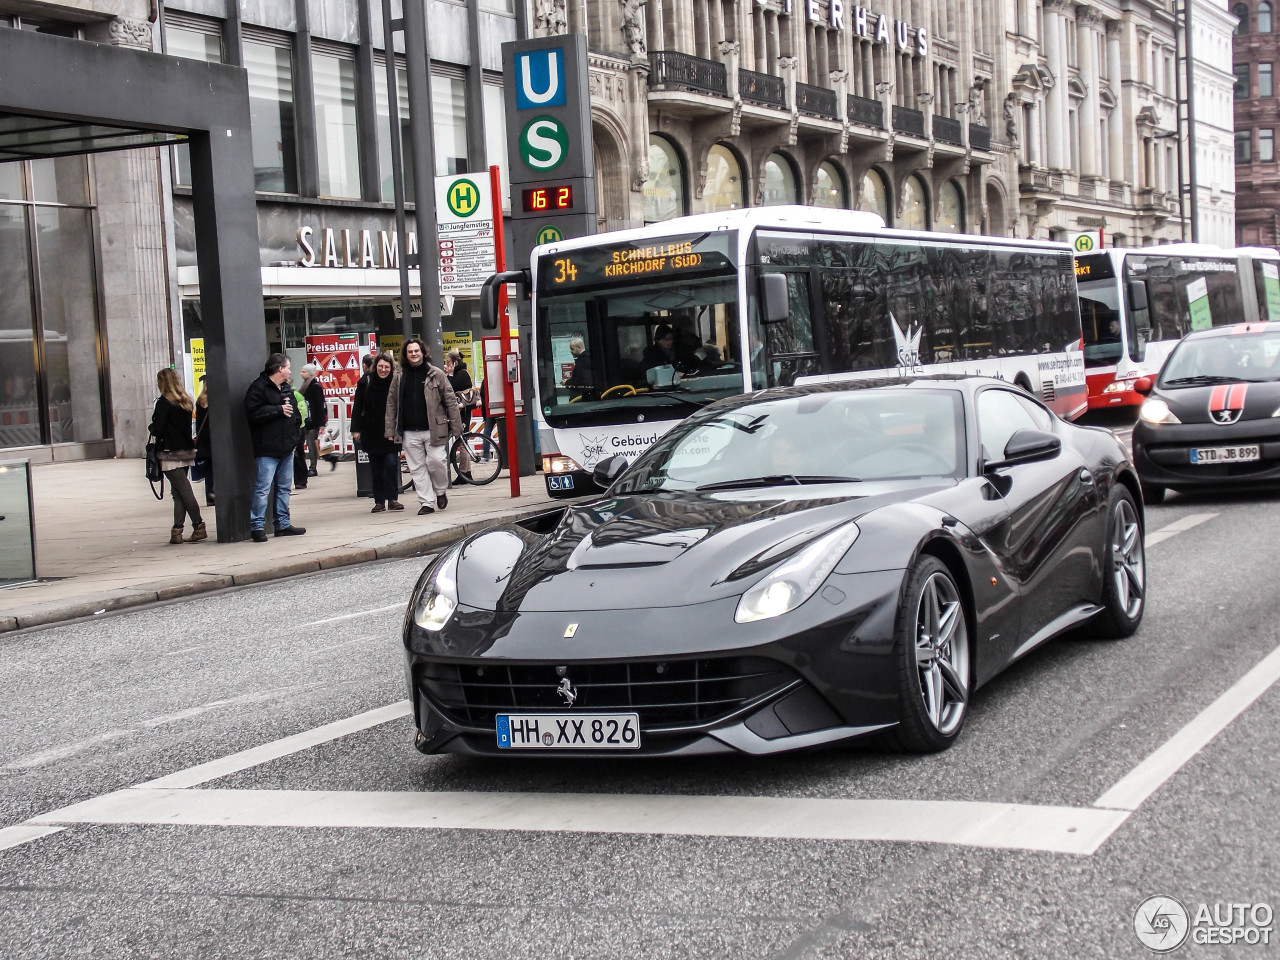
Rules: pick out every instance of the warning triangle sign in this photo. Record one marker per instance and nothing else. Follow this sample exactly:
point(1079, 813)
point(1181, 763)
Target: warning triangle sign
point(334, 363)
point(353, 362)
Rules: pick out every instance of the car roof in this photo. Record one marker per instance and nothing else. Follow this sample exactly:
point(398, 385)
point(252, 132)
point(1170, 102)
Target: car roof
point(1234, 330)
point(957, 382)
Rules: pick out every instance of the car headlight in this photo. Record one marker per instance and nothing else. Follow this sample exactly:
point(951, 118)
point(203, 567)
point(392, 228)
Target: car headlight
point(439, 596)
point(795, 581)
point(1155, 410)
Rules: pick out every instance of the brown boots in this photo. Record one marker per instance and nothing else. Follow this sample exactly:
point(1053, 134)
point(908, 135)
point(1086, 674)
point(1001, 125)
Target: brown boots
point(198, 533)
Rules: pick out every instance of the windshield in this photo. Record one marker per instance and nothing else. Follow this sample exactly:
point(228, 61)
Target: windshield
point(1250, 357)
point(1100, 321)
point(836, 436)
point(617, 352)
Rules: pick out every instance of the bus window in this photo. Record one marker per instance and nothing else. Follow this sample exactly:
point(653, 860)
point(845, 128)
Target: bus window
point(790, 343)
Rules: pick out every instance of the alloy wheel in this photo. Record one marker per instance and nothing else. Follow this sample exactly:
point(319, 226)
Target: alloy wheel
point(1128, 558)
point(942, 653)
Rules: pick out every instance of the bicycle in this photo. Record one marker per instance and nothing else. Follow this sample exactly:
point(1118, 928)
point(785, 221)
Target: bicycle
point(475, 458)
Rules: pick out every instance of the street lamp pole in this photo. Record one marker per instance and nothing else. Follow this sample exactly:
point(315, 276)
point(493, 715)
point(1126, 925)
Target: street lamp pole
point(1191, 121)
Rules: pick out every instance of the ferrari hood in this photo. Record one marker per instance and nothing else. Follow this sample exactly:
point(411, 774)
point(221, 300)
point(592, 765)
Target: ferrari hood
point(664, 549)
point(1223, 402)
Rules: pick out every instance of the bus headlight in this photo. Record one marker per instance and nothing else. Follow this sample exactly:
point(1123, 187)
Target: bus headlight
point(1155, 410)
point(556, 463)
point(796, 580)
point(1119, 386)
point(439, 596)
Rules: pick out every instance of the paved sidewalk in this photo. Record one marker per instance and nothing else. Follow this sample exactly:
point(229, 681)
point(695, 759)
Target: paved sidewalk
point(102, 539)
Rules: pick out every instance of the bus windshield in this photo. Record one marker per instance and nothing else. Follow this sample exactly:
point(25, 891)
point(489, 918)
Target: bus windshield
point(667, 344)
point(1101, 322)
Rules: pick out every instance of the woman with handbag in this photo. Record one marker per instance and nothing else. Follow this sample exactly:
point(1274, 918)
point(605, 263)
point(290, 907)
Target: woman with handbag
point(171, 426)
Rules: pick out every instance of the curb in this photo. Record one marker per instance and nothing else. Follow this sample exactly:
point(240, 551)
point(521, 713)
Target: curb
point(63, 611)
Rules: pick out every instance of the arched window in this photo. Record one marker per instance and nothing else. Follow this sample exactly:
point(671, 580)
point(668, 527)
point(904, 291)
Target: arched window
point(828, 187)
point(779, 181)
point(915, 204)
point(1241, 13)
point(1264, 17)
point(664, 190)
point(724, 181)
point(875, 196)
point(950, 209)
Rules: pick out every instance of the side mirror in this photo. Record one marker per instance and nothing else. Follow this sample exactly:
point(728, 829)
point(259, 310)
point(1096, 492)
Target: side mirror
point(608, 470)
point(1143, 385)
point(1137, 294)
point(1027, 446)
point(489, 295)
point(775, 306)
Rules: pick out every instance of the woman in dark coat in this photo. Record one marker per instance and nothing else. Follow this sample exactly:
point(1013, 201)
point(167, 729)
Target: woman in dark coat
point(204, 441)
point(368, 416)
point(171, 426)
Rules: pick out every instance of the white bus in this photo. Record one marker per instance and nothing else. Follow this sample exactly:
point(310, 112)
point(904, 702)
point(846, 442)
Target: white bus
point(1135, 304)
point(633, 330)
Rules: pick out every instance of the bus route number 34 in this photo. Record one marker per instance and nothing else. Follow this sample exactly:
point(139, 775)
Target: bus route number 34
point(565, 271)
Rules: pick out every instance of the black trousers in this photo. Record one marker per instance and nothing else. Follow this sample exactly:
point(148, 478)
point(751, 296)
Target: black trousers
point(184, 499)
point(384, 468)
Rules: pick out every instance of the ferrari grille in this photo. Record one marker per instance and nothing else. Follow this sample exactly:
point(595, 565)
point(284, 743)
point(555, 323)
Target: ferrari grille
point(669, 693)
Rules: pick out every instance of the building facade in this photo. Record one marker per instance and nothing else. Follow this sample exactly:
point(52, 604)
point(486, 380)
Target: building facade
point(1256, 49)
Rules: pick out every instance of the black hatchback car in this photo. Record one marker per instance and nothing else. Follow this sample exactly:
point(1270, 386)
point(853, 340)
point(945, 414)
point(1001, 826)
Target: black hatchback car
point(1212, 416)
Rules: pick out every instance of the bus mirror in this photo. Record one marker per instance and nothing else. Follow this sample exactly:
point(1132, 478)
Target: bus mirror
point(774, 304)
point(1138, 294)
point(489, 295)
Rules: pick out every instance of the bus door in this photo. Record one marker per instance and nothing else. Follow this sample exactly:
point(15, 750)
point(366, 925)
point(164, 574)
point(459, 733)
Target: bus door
point(784, 351)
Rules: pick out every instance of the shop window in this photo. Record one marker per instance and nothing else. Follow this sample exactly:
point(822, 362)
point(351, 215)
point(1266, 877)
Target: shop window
point(724, 189)
point(779, 181)
point(664, 189)
point(449, 103)
point(20, 422)
point(270, 70)
point(915, 205)
point(828, 187)
point(383, 108)
point(10, 181)
point(60, 180)
point(950, 209)
point(875, 196)
point(337, 140)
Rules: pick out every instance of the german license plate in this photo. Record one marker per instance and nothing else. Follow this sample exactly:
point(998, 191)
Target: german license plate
point(559, 483)
point(1203, 455)
point(569, 731)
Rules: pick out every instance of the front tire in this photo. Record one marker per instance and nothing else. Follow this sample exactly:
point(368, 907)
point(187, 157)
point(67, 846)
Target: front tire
point(932, 647)
point(1124, 590)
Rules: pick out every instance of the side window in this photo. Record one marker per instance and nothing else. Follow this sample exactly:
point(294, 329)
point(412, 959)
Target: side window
point(1042, 417)
point(1001, 414)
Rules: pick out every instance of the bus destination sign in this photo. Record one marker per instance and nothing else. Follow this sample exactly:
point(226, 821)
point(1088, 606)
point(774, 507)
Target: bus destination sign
point(617, 261)
point(1094, 267)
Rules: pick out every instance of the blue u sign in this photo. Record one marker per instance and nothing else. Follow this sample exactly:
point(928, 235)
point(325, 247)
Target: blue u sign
point(540, 79)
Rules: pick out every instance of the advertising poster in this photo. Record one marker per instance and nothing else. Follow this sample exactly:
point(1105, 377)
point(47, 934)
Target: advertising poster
point(197, 362)
point(338, 356)
point(1198, 301)
point(1270, 280)
point(392, 343)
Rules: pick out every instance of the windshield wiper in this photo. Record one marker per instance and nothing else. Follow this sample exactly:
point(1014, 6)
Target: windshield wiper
point(698, 402)
point(774, 480)
point(1202, 378)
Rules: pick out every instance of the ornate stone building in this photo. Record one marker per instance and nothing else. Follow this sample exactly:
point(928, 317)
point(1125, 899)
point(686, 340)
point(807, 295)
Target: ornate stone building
point(1257, 112)
point(1022, 118)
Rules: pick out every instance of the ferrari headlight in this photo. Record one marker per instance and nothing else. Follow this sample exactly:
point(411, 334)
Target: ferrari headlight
point(439, 597)
point(1155, 410)
point(795, 581)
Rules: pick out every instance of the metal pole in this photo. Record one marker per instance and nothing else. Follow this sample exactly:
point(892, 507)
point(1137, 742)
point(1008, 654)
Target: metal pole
point(1191, 123)
point(510, 345)
point(421, 119)
point(397, 170)
point(1178, 129)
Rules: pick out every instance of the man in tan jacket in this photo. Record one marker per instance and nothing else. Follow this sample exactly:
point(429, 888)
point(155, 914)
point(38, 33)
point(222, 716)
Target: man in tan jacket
point(422, 415)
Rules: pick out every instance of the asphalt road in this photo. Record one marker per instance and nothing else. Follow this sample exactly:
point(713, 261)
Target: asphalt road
point(90, 709)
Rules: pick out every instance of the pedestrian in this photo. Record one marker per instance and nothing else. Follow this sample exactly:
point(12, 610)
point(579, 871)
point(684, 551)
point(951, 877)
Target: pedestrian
point(274, 423)
point(368, 426)
point(299, 451)
point(171, 426)
point(492, 426)
point(455, 369)
point(204, 441)
point(422, 413)
point(317, 415)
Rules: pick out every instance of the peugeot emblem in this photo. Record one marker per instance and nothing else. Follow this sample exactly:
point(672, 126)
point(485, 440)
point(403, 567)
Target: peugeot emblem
point(566, 690)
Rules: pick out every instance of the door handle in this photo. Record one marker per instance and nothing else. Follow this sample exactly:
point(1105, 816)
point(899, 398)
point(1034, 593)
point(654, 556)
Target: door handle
point(1085, 475)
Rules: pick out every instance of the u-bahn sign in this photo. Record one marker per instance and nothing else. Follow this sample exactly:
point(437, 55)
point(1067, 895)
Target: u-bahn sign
point(549, 150)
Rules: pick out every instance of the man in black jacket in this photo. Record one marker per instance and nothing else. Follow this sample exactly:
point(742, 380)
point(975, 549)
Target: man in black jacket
point(275, 423)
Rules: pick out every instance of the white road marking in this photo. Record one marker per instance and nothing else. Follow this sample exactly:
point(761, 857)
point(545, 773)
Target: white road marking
point(1012, 826)
point(25, 833)
point(175, 653)
point(352, 616)
point(1177, 527)
point(1148, 776)
point(203, 773)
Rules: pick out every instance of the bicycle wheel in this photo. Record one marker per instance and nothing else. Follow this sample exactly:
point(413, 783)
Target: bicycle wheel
point(476, 459)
